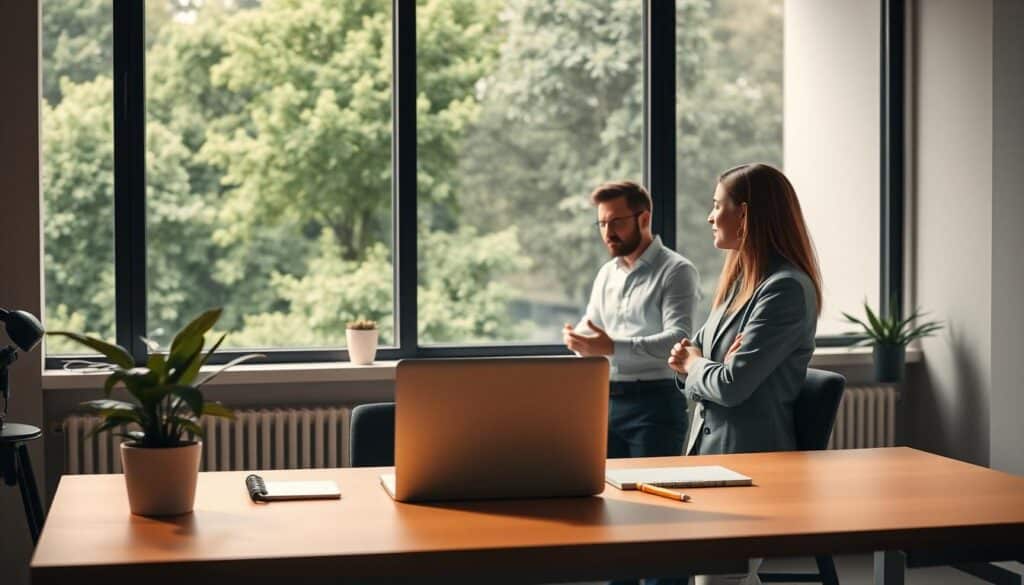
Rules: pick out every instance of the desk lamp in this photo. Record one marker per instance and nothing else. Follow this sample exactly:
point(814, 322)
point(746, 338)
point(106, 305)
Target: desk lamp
point(25, 331)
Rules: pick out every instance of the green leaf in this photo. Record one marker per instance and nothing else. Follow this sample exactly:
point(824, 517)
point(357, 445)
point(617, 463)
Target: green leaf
point(197, 328)
point(219, 410)
point(121, 417)
point(195, 366)
point(188, 425)
point(137, 381)
point(151, 344)
point(183, 356)
point(112, 380)
point(191, 396)
point(905, 322)
point(108, 404)
point(230, 364)
point(115, 353)
point(158, 366)
point(137, 436)
point(876, 326)
point(151, 396)
point(923, 330)
point(867, 330)
point(106, 425)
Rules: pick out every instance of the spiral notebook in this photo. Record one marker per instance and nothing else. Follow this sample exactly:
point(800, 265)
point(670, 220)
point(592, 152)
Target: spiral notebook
point(676, 477)
point(269, 491)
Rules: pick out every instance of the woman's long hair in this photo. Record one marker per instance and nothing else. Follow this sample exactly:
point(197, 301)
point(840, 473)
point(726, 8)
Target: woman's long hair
point(772, 227)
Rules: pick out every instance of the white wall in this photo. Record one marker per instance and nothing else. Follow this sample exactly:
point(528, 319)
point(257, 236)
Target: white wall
point(1007, 396)
point(20, 247)
point(831, 143)
point(949, 408)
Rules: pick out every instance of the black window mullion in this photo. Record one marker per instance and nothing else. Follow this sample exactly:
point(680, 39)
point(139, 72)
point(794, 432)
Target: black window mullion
point(130, 175)
point(892, 154)
point(403, 162)
point(659, 38)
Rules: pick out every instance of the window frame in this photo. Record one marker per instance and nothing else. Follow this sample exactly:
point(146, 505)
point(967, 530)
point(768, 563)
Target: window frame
point(659, 164)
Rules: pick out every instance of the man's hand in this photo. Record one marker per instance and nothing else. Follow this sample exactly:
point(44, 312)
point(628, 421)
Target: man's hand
point(683, 355)
point(588, 345)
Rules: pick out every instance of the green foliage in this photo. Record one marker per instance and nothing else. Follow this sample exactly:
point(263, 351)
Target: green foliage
point(892, 330)
point(269, 136)
point(361, 325)
point(78, 44)
point(728, 108)
point(168, 403)
point(78, 183)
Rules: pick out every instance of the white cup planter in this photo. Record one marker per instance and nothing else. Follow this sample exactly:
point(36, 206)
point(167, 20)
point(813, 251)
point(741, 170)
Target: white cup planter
point(161, 481)
point(362, 345)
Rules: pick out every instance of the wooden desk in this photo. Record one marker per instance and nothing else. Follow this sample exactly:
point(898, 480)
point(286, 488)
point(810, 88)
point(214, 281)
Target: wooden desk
point(803, 503)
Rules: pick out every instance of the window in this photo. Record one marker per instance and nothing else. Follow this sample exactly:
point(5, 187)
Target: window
point(283, 167)
point(832, 146)
point(78, 169)
point(729, 110)
point(524, 108)
point(268, 169)
point(795, 85)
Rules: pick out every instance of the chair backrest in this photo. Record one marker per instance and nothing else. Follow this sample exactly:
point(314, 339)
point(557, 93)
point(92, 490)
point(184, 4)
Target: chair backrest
point(373, 435)
point(814, 412)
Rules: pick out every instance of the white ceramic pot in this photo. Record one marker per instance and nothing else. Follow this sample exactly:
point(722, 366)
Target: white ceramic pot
point(161, 482)
point(362, 345)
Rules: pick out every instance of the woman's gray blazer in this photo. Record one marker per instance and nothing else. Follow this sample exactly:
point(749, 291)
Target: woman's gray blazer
point(746, 404)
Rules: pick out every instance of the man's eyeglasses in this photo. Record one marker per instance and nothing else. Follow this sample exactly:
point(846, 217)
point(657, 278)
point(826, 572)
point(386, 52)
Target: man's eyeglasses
point(616, 223)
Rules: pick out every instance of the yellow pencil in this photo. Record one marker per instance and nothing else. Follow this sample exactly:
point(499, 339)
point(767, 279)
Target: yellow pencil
point(659, 491)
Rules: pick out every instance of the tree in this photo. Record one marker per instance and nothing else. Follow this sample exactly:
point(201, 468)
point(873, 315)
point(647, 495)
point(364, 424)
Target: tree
point(269, 155)
point(462, 300)
point(562, 111)
point(78, 181)
point(729, 110)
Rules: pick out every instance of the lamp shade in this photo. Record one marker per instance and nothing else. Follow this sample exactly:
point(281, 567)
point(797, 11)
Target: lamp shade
point(23, 328)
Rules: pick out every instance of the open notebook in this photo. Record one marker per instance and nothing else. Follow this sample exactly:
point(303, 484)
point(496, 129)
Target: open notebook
point(676, 477)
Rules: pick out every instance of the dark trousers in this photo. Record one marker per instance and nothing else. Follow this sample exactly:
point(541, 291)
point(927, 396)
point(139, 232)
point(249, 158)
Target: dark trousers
point(647, 419)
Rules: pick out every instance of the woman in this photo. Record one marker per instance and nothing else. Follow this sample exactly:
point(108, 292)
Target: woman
point(745, 366)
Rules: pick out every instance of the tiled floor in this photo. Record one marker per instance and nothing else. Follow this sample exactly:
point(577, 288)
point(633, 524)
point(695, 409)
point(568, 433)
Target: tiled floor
point(858, 570)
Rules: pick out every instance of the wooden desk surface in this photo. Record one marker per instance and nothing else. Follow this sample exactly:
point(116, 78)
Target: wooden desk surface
point(802, 503)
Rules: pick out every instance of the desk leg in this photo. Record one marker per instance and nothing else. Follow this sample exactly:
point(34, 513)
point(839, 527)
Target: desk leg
point(890, 567)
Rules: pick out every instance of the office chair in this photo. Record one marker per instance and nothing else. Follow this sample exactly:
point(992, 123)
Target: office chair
point(373, 435)
point(814, 414)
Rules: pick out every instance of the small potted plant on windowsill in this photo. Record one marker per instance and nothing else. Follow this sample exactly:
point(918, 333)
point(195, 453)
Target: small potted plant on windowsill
point(361, 336)
point(890, 336)
point(160, 455)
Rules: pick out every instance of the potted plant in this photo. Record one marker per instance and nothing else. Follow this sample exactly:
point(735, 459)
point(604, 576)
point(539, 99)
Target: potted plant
point(890, 336)
point(160, 455)
point(361, 336)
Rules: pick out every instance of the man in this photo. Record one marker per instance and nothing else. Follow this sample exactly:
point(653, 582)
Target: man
point(643, 301)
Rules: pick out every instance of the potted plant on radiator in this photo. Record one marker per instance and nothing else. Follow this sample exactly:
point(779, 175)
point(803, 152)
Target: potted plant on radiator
point(160, 455)
point(890, 336)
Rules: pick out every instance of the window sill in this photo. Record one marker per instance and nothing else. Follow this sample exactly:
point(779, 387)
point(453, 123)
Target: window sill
point(247, 375)
point(824, 357)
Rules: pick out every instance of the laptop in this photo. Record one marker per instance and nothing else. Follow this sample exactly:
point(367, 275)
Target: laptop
point(485, 428)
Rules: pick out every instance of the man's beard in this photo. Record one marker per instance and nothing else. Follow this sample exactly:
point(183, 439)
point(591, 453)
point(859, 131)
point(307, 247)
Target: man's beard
point(619, 247)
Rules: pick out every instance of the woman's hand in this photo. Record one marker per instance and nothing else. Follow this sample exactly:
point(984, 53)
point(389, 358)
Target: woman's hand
point(683, 355)
point(734, 347)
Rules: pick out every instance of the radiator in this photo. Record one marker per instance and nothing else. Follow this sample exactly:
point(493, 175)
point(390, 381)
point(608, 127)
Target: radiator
point(256, 439)
point(866, 418)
